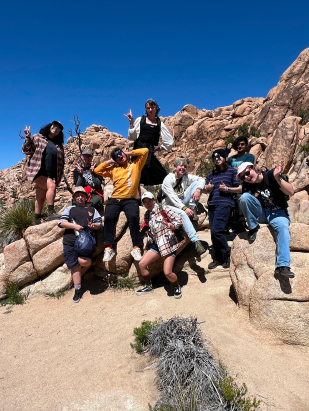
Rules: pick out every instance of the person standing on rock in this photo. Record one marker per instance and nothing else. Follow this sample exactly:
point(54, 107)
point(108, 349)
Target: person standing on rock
point(125, 176)
point(145, 131)
point(242, 148)
point(221, 184)
point(75, 219)
point(84, 176)
point(264, 200)
point(162, 241)
point(182, 192)
point(45, 165)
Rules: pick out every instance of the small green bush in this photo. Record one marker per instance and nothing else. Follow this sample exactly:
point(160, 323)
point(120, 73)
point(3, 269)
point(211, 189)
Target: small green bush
point(243, 130)
point(229, 139)
point(141, 334)
point(304, 148)
point(304, 114)
point(205, 168)
point(254, 132)
point(13, 295)
point(15, 220)
point(57, 295)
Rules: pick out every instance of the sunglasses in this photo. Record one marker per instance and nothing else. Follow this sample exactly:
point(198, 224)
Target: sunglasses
point(118, 154)
point(216, 157)
point(247, 173)
point(57, 128)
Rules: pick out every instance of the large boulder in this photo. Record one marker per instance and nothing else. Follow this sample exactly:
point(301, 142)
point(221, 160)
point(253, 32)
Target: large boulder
point(15, 254)
point(40, 236)
point(49, 258)
point(273, 302)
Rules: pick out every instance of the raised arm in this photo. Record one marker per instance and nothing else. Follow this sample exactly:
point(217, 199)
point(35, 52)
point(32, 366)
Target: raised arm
point(134, 129)
point(167, 139)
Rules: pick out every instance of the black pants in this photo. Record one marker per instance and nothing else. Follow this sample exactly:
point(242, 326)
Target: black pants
point(113, 209)
point(218, 216)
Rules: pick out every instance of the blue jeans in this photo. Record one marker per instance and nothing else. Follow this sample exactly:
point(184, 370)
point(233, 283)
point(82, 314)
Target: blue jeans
point(187, 200)
point(279, 220)
point(218, 216)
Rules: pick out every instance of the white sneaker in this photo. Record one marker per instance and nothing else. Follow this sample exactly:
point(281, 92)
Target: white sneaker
point(136, 254)
point(108, 254)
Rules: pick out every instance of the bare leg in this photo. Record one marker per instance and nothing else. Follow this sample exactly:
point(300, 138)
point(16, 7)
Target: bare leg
point(168, 270)
point(148, 258)
point(45, 187)
point(40, 195)
point(76, 275)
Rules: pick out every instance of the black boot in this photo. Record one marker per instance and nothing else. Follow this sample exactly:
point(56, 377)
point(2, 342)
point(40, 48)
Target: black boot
point(226, 260)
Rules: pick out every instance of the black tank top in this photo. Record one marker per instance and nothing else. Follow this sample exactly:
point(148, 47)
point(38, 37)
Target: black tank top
point(150, 133)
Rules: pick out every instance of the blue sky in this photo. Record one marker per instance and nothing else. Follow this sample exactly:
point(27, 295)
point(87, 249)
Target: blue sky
point(99, 59)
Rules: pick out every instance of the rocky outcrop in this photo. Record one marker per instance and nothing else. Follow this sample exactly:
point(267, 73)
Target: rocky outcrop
point(273, 303)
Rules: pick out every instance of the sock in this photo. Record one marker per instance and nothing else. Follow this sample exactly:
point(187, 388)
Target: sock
point(77, 287)
point(108, 246)
point(136, 246)
point(175, 284)
point(37, 216)
point(50, 207)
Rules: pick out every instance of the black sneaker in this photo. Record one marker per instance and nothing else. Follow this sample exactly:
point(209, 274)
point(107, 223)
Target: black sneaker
point(177, 292)
point(77, 295)
point(199, 247)
point(147, 289)
point(285, 271)
point(52, 215)
point(226, 260)
point(252, 233)
point(214, 264)
point(37, 221)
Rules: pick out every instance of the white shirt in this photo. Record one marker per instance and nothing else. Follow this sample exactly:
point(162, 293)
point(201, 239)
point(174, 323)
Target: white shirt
point(167, 139)
point(172, 197)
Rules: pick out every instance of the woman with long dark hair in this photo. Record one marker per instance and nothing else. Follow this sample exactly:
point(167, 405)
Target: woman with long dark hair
point(45, 165)
point(145, 131)
point(221, 183)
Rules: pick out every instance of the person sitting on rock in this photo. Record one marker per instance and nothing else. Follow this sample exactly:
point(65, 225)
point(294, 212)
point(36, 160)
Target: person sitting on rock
point(183, 192)
point(221, 183)
point(145, 131)
point(84, 176)
point(242, 148)
point(162, 241)
point(74, 219)
point(125, 176)
point(264, 201)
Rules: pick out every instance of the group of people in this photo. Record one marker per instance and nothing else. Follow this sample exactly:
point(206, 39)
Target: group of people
point(260, 196)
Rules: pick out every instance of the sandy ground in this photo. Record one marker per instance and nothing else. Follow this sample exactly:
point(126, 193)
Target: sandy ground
point(60, 356)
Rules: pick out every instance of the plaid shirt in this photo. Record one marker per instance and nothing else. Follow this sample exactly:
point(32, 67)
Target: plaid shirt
point(158, 233)
point(34, 148)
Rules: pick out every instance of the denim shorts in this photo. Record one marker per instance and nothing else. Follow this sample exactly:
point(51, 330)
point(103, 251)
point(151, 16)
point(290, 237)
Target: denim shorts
point(155, 249)
point(71, 256)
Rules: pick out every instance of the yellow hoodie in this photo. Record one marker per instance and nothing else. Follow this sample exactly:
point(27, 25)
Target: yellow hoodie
point(125, 178)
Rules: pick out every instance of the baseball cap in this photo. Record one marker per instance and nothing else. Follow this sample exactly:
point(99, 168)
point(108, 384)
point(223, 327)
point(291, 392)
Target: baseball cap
point(87, 151)
point(243, 167)
point(58, 124)
point(79, 190)
point(148, 194)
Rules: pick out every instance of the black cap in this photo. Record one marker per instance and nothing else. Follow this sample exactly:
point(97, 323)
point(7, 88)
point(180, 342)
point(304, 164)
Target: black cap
point(58, 124)
point(220, 151)
point(87, 151)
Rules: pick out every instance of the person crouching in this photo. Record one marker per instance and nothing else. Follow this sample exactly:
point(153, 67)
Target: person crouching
point(161, 241)
point(75, 219)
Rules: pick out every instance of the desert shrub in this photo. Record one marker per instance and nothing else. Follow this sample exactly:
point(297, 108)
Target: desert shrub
point(188, 377)
point(304, 148)
point(205, 167)
point(254, 132)
point(141, 334)
point(304, 114)
point(229, 139)
point(245, 131)
point(13, 295)
point(15, 220)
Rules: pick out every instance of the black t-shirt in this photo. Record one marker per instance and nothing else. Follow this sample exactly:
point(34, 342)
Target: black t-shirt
point(80, 216)
point(270, 195)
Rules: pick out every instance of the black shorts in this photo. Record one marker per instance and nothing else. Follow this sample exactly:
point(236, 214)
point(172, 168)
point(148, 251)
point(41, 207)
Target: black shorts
point(71, 256)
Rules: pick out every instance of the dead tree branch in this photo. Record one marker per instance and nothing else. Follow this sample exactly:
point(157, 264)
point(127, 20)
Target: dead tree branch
point(76, 134)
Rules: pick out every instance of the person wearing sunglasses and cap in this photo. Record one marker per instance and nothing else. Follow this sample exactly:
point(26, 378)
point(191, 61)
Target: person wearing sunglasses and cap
point(221, 184)
point(45, 165)
point(162, 241)
point(125, 175)
point(145, 131)
point(264, 200)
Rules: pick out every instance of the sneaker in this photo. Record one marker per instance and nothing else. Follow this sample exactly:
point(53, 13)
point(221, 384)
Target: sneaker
point(109, 253)
point(226, 260)
point(214, 264)
point(284, 271)
point(177, 292)
point(52, 215)
point(195, 217)
point(37, 221)
point(136, 254)
point(147, 289)
point(252, 233)
point(77, 295)
point(199, 247)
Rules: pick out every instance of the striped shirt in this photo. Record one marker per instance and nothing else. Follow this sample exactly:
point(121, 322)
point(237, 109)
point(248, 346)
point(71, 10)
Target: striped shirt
point(228, 177)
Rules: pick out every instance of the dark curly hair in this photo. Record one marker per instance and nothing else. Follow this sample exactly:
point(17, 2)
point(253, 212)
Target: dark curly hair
point(238, 140)
point(45, 130)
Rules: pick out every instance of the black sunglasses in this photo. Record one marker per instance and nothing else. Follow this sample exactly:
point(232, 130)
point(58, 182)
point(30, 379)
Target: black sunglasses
point(247, 173)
